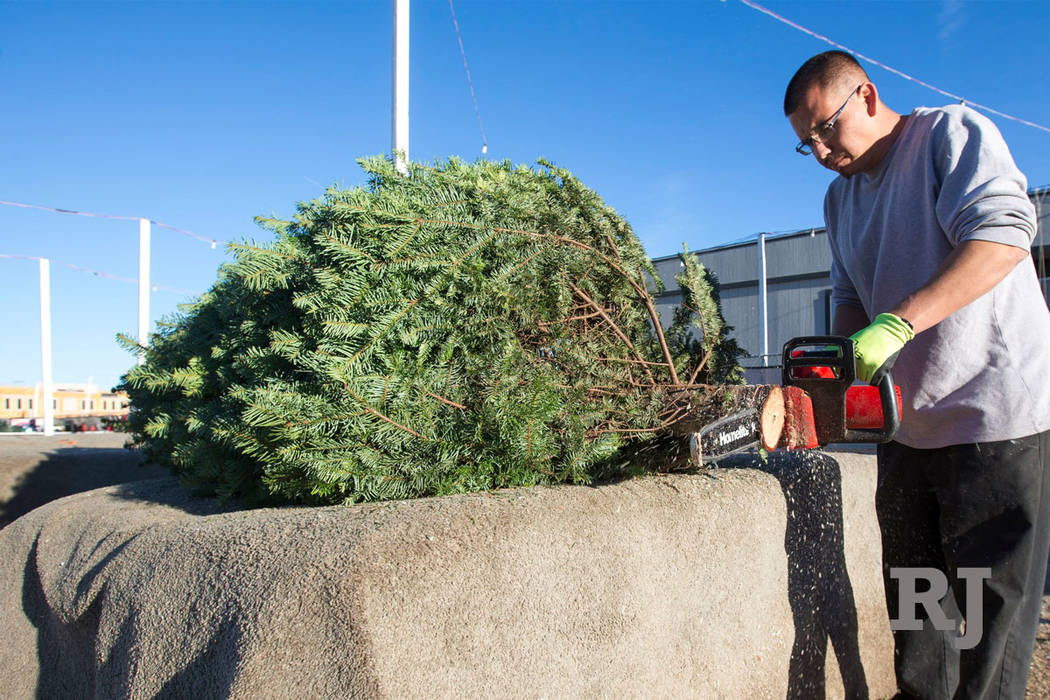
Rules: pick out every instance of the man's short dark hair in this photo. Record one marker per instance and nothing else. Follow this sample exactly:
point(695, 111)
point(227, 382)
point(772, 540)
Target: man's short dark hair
point(826, 69)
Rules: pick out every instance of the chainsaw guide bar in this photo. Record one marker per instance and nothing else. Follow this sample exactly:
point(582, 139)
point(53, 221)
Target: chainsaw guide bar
point(725, 437)
point(758, 425)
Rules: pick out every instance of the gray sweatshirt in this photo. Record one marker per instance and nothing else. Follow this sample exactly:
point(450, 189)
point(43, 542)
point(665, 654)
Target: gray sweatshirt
point(983, 373)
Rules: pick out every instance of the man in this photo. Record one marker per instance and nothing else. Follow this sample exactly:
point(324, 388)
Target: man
point(930, 232)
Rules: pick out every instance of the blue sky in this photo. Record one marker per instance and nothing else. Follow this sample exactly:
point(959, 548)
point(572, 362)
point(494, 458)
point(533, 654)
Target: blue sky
point(202, 115)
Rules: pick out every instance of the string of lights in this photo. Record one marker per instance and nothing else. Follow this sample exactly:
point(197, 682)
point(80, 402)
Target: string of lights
point(211, 241)
point(96, 273)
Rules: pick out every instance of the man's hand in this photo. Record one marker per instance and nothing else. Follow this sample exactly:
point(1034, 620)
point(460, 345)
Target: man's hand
point(875, 347)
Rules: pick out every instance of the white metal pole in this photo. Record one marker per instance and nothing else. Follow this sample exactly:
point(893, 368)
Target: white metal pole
point(144, 231)
point(763, 307)
point(45, 346)
point(400, 101)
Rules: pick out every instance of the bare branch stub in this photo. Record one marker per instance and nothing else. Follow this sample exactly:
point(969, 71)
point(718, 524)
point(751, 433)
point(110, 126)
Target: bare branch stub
point(615, 328)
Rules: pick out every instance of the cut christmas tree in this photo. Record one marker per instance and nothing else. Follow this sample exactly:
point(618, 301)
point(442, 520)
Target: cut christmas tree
point(463, 327)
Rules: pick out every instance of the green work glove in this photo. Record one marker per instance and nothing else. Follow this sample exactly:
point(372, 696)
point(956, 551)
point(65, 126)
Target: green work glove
point(876, 347)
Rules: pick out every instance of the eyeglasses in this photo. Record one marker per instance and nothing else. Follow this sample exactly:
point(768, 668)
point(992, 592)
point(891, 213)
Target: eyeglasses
point(826, 130)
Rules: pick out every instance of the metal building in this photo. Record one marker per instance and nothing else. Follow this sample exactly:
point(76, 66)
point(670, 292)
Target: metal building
point(797, 287)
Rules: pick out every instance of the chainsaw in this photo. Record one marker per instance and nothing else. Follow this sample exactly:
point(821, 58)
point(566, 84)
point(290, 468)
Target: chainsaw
point(815, 405)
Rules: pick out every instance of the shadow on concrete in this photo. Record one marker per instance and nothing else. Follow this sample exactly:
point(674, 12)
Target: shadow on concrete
point(41, 469)
point(63, 472)
point(819, 588)
point(210, 674)
point(66, 648)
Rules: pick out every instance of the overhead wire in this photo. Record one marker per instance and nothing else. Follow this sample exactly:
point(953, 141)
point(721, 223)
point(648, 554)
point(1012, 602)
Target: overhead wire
point(795, 25)
point(57, 210)
point(470, 82)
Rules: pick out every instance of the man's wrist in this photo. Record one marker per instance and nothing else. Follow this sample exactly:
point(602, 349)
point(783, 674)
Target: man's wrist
point(906, 326)
point(895, 325)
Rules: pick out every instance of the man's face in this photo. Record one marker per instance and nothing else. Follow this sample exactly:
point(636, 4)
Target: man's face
point(844, 149)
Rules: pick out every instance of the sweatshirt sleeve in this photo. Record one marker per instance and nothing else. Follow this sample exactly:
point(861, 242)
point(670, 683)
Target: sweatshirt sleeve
point(982, 193)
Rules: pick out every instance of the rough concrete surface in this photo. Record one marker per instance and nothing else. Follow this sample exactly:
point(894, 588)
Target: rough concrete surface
point(760, 581)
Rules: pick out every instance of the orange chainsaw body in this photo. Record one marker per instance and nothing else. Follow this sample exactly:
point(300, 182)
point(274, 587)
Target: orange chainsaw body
point(821, 403)
point(863, 412)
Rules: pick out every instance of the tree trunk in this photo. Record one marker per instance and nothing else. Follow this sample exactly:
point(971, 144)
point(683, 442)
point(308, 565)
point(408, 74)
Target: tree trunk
point(749, 415)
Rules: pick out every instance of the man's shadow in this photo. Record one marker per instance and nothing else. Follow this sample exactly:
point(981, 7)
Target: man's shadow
point(819, 588)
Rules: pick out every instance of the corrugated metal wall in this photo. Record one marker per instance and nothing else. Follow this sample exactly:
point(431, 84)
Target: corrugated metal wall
point(797, 281)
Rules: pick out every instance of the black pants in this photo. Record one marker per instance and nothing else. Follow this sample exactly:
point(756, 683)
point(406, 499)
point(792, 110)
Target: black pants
point(978, 505)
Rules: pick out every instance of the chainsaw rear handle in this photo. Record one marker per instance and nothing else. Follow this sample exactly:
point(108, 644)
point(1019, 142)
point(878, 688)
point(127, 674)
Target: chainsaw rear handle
point(829, 393)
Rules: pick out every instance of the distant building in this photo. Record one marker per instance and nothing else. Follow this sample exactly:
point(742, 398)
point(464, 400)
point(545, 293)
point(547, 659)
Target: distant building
point(798, 287)
point(70, 400)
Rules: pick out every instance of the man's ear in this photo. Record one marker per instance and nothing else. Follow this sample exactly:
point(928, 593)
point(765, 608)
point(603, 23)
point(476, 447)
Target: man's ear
point(870, 94)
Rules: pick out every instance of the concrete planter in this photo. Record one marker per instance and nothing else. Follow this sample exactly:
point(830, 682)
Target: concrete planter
point(738, 585)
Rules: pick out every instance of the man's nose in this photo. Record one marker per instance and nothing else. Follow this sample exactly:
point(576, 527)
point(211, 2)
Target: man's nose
point(821, 150)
